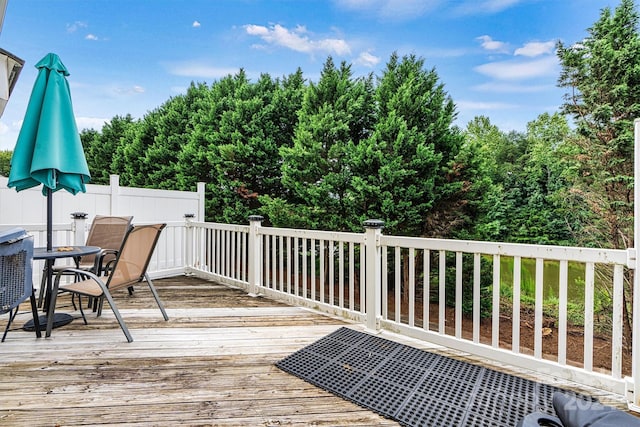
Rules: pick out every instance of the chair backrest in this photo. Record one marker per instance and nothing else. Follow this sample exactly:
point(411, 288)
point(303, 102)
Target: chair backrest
point(107, 232)
point(134, 256)
point(16, 260)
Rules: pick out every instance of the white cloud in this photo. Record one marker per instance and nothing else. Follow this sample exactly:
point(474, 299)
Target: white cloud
point(495, 87)
point(368, 60)
point(91, 37)
point(128, 90)
point(473, 7)
point(536, 48)
point(493, 45)
point(297, 39)
point(72, 28)
point(196, 24)
point(90, 123)
point(515, 70)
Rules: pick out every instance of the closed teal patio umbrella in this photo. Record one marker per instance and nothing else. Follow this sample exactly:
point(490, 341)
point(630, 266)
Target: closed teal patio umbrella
point(48, 151)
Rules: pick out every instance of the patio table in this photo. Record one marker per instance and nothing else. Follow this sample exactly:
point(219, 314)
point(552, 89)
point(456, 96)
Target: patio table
point(41, 253)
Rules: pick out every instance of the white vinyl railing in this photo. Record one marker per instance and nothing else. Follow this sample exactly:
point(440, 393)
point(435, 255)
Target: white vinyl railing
point(447, 292)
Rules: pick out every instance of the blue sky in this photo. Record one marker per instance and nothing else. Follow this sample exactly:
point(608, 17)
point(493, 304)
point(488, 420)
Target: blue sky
point(495, 57)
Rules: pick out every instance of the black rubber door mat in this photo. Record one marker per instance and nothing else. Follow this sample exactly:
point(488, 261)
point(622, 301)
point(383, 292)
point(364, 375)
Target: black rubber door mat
point(416, 387)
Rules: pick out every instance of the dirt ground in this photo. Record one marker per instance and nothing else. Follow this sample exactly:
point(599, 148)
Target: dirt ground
point(575, 334)
point(575, 338)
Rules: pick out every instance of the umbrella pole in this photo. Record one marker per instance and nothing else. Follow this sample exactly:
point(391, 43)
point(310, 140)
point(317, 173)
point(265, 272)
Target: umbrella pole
point(49, 262)
point(49, 219)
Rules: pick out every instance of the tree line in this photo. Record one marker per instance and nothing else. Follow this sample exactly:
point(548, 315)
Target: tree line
point(333, 153)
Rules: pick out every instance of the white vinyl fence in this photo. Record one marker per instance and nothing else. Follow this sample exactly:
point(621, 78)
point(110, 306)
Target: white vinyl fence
point(27, 209)
point(144, 204)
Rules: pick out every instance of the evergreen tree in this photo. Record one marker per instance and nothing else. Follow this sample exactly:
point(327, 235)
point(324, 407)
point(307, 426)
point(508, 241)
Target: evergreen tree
point(602, 76)
point(100, 147)
point(336, 114)
point(407, 166)
point(5, 162)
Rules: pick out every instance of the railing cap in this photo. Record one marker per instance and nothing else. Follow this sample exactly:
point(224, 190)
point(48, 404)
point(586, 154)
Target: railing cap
point(373, 223)
point(256, 218)
point(79, 215)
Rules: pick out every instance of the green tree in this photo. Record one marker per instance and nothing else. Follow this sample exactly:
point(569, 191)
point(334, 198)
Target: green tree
point(602, 76)
point(335, 116)
point(252, 130)
point(547, 216)
point(407, 165)
point(528, 175)
point(5, 162)
point(101, 147)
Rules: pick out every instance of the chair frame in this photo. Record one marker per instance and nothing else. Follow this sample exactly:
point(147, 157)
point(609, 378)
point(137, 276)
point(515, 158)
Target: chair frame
point(103, 282)
point(107, 253)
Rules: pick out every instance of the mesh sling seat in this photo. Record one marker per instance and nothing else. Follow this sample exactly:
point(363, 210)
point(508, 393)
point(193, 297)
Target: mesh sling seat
point(16, 267)
point(129, 268)
point(106, 232)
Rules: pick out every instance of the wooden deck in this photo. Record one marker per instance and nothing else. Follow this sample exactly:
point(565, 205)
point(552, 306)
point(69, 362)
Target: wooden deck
point(212, 363)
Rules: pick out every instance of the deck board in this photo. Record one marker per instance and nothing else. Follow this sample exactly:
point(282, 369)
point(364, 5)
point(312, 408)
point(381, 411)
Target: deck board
point(212, 363)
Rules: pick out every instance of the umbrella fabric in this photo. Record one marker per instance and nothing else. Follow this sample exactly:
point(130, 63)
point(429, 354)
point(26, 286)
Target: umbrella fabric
point(48, 150)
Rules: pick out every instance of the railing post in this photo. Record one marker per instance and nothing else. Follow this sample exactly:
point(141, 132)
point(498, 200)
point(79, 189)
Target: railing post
point(634, 401)
point(79, 227)
point(114, 194)
point(373, 278)
point(201, 189)
point(188, 239)
point(254, 263)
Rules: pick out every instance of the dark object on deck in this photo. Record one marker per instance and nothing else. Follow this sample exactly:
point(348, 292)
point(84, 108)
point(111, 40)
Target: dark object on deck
point(16, 260)
point(574, 412)
point(415, 387)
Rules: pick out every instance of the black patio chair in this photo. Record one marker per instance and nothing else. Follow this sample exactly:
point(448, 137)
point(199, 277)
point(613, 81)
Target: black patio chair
point(16, 267)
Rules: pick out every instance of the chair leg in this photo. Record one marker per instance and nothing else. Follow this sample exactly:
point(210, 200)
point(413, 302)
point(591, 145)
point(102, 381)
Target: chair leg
point(34, 312)
point(12, 314)
point(81, 310)
point(116, 313)
point(155, 295)
point(99, 302)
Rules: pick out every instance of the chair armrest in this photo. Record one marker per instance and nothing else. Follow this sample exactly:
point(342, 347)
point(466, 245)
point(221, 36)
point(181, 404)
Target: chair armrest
point(82, 273)
point(99, 264)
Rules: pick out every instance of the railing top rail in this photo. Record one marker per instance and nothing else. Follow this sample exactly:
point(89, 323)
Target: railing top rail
point(314, 234)
point(556, 253)
point(220, 226)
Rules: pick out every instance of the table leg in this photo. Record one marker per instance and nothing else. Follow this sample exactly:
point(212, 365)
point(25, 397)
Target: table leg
point(51, 308)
